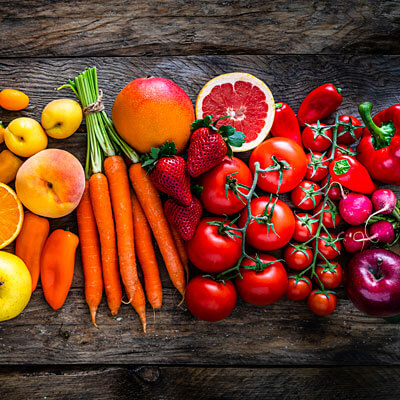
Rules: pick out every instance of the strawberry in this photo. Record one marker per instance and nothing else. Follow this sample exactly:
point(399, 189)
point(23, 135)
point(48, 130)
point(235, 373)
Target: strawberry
point(209, 145)
point(184, 218)
point(168, 172)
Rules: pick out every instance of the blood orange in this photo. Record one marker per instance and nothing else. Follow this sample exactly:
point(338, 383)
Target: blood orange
point(245, 99)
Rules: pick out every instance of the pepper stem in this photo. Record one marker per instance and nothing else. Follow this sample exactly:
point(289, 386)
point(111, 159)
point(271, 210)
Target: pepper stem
point(377, 132)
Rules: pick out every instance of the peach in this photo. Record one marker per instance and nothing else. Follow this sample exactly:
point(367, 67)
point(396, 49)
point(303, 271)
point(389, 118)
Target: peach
point(50, 183)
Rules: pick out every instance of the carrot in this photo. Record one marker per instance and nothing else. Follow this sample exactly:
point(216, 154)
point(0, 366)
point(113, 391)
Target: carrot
point(117, 175)
point(101, 204)
point(181, 246)
point(146, 255)
point(139, 304)
point(90, 252)
point(148, 197)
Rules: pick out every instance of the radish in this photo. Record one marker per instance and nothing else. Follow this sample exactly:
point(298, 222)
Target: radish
point(382, 231)
point(384, 201)
point(355, 239)
point(355, 208)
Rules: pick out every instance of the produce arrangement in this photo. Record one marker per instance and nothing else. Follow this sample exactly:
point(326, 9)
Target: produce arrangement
point(233, 210)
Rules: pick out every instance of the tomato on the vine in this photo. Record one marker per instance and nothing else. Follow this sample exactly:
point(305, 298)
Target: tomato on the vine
point(285, 159)
point(214, 246)
point(331, 217)
point(317, 137)
point(329, 247)
point(305, 227)
point(263, 285)
point(317, 168)
point(299, 288)
point(344, 150)
point(347, 134)
point(307, 195)
point(330, 274)
point(322, 302)
point(225, 185)
point(298, 256)
point(274, 224)
point(209, 300)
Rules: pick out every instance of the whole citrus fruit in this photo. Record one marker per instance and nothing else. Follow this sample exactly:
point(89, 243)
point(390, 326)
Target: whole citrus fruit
point(149, 111)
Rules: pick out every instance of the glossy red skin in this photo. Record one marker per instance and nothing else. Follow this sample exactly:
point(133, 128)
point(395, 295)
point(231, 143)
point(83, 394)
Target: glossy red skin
point(300, 290)
point(296, 259)
point(286, 123)
point(383, 164)
point(330, 280)
point(209, 300)
point(286, 150)
point(213, 195)
point(328, 251)
point(301, 232)
point(320, 143)
point(327, 219)
point(356, 178)
point(283, 220)
point(322, 304)
point(334, 192)
point(262, 288)
point(346, 138)
point(319, 103)
point(297, 195)
point(339, 152)
point(375, 297)
point(212, 252)
point(355, 232)
point(355, 208)
point(320, 173)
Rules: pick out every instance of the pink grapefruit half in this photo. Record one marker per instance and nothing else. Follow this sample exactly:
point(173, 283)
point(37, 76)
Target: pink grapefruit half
point(245, 99)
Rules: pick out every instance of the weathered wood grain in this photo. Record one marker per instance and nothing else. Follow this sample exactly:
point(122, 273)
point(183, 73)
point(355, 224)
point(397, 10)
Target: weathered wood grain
point(168, 383)
point(168, 27)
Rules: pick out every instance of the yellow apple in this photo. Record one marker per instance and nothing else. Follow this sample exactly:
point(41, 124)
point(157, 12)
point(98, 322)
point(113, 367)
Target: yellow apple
point(15, 286)
point(25, 137)
point(61, 118)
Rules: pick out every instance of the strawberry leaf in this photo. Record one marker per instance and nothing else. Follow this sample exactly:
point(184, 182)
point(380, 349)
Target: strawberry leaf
point(205, 122)
point(149, 160)
point(232, 137)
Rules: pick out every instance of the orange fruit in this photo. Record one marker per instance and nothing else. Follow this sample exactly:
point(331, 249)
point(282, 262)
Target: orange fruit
point(245, 99)
point(11, 215)
point(13, 100)
point(149, 111)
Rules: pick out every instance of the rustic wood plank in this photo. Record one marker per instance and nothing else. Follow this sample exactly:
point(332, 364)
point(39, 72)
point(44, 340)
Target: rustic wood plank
point(166, 27)
point(162, 383)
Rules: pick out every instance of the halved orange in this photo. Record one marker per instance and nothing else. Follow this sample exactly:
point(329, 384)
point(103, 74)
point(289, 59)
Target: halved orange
point(11, 215)
point(245, 99)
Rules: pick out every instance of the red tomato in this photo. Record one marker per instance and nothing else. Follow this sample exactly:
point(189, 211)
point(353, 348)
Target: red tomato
point(210, 300)
point(289, 159)
point(298, 288)
point(331, 275)
point(346, 133)
point(275, 225)
point(305, 227)
point(223, 184)
point(213, 249)
point(344, 150)
point(307, 195)
point(262, 286)
point(317, 168)
point(328, 247)
point(331, 218)
point(334, 192)
point(297, 256)
point(317, 137)
point(322, 303)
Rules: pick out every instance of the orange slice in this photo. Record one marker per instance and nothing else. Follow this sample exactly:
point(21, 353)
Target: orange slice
point(11, 215)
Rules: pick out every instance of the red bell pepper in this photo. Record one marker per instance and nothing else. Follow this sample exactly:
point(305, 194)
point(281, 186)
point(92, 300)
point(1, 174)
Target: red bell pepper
point(286, 124)
point(351, 174)
point(379, 148)
point(319, 103)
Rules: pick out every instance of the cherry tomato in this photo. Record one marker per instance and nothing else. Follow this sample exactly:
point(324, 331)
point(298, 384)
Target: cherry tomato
point(322, 303)
point(347, 134)
point(317, 167)
point(275, 224)
point(13, 100)
point(305, 227)
point(297, 256)
point(214, 248)
point(344, 150)
point(307, 195)
point(265, 285)
point(223, 185)
point(331, 275)
point(334, 192)
point(328, 247)
point(298, 288)
point(317, 137)
point(209, 300)
point(288, 158)
point(331, 217)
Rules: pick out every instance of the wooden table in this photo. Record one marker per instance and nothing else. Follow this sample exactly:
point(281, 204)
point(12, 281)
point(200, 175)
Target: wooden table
point(280, 351)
